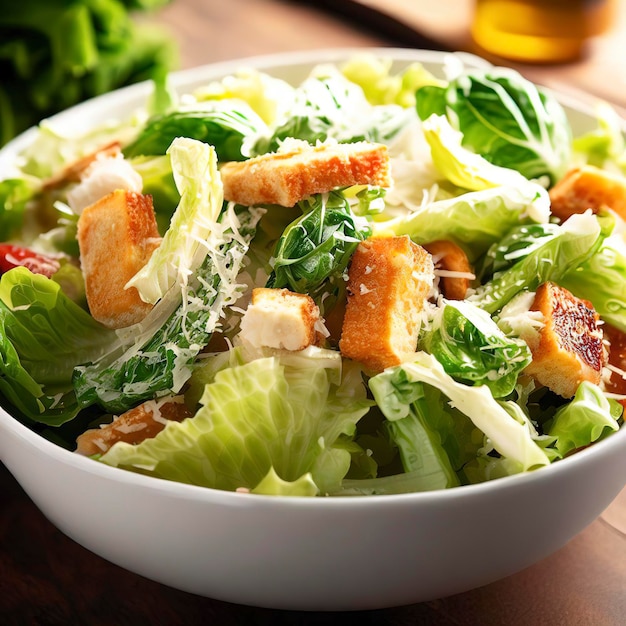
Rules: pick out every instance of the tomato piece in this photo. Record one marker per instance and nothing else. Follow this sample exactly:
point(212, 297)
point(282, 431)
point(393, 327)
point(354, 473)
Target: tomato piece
point(16, 256)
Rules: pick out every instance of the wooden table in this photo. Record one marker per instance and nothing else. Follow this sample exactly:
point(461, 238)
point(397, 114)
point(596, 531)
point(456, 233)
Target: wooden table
point(46, 578)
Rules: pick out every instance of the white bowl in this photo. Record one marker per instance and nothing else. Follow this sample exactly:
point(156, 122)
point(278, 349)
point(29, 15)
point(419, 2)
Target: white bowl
point(308, 553)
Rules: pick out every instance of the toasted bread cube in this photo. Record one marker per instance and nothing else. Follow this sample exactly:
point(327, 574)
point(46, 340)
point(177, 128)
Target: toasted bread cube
point(116, 237)
point(588, 187)
point(72, 173)
point(568, 349)
point(452, 267)
point(284, 178)
point(143, 422)
point(283, 319)
point(389, 279)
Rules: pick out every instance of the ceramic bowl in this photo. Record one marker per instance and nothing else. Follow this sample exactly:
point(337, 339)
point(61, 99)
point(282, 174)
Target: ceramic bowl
point(308, 553)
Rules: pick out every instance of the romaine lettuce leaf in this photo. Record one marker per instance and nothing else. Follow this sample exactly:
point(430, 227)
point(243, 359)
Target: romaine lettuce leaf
point(317, 245)
point(607, 295)
point(381, 86)
point(474, 220)
point(472, 348)
point(588, 417)
point(194, 165)
point(506, 118)
point(576, 241)
point(230, 126)
point(461, 166)
point(43, 336)
point(508, 435)
point(261, 424)
point(269, 97)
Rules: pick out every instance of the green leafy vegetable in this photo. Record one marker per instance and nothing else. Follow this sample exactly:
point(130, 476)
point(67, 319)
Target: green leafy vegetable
point(461, 166)
point(381, 86)
point(262, 426)
point(472, 349)
point(43, 336)
point(194, 166)
point(162, 351)
point(577, 240)
point(474, 220)
point(318, 245)
point(55, 53)
point(587, 418)
point(327, 105)
point(509, 434)
point(607, 295)
point(228, 126)
point(506, 118)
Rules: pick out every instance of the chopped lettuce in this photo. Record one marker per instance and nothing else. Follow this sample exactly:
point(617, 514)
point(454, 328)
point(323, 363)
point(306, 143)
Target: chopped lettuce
point(474, 220)
point(608, 295)
point(381, 86)
point(576, 241)
point(473, 350)
point(506, 118)
point(261, 426)
point(461, 166)
point(587, 418)
point(229, 126)
point(43, 336)
point(509, 436)
point(318, 245)
point(182, 250)
point(158, 354)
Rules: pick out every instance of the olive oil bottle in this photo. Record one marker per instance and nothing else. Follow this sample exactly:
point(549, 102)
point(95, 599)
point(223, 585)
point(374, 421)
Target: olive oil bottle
point(539, 31)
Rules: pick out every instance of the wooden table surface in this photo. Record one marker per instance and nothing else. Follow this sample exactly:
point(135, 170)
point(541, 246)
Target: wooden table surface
point(46, 578)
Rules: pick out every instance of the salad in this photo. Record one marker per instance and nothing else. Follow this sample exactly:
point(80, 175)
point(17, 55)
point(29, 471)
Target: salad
point(375, 281)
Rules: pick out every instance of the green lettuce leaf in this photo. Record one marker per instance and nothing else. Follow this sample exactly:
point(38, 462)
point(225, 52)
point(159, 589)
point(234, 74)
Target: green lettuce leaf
point(588, 417)
point(506, 118)
point(381, 86)
point(43, 336)
point(182, 250)
point(229, 126)
point(474, 220)
point(509, 435)
point(577, 240)
point(157, 356)
point(461, 166)
point(318, 245)
point(260, 424)
point(608, 295)
point(473, 350)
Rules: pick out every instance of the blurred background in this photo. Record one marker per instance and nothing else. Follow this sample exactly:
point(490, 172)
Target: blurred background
point(55, 53)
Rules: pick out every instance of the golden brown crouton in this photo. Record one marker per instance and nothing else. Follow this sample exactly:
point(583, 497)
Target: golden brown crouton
point(389, 279)
point(568, 349)
point(588, 187)
point(72, 172)
point(452, 267)
point(283, 319)
point(284, 178)
point(116, 237)
point(143, 422)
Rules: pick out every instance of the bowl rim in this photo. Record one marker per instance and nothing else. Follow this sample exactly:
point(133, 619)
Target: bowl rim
point(130, 95)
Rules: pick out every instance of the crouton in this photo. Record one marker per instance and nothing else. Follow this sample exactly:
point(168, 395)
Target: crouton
point(116, 237)
point(452, 267)
point(72, 173)
point(279, 318)
point(284, 178)
point(616, 339)
point(143, 422)
point(568, 349)
point(389, 279)
point(588, 187)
